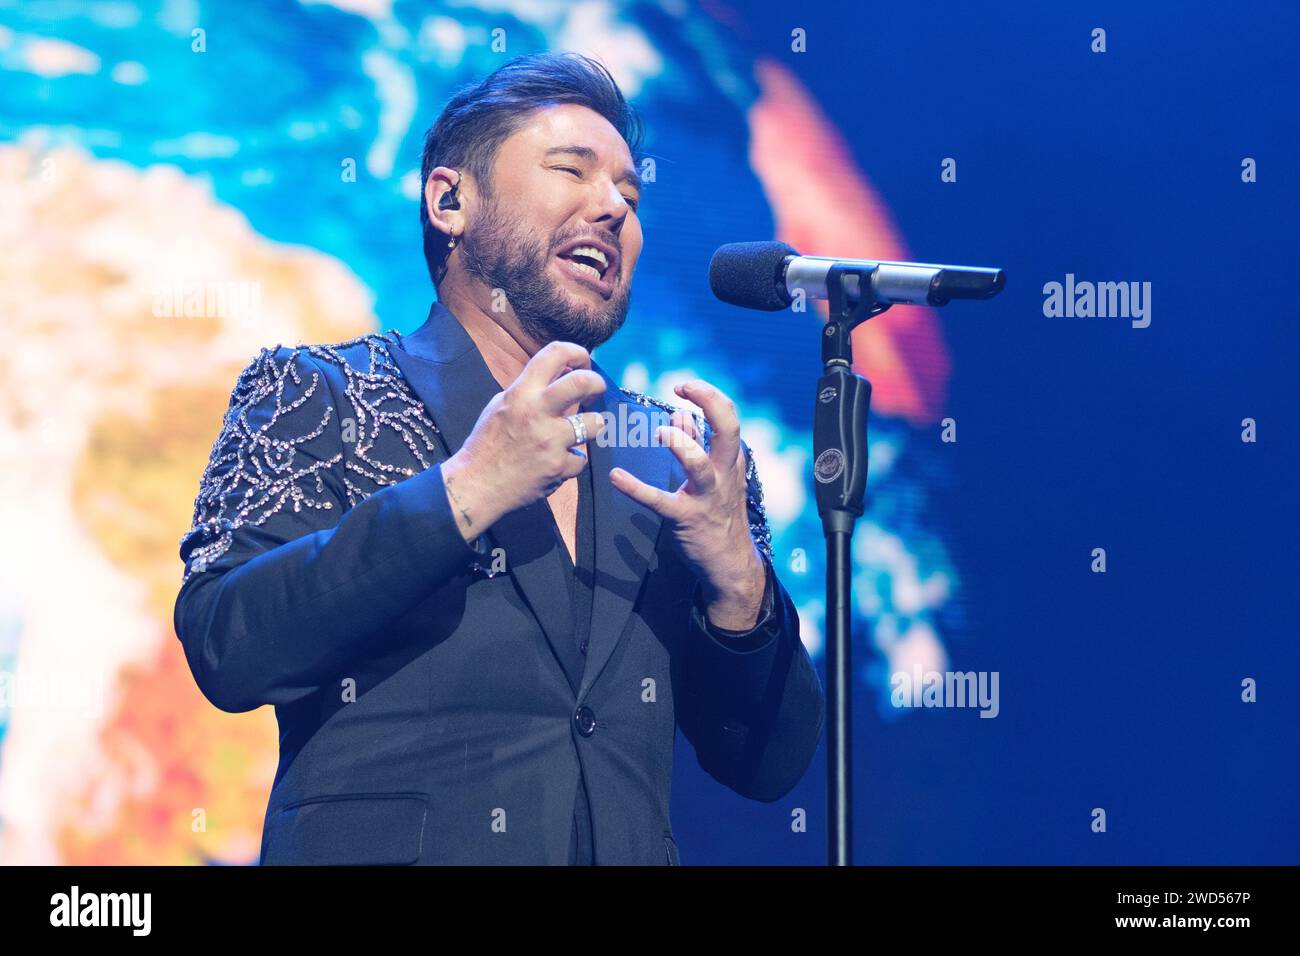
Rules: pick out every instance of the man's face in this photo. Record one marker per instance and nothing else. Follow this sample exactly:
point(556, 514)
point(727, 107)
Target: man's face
point(559, 234)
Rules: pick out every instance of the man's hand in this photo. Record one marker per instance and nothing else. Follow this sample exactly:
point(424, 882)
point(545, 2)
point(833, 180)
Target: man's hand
point(708, 513)
point(521, 449)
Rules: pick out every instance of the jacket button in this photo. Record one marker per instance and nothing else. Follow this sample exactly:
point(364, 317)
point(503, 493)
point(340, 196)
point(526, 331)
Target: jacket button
point(585, 718)
point(583, 647)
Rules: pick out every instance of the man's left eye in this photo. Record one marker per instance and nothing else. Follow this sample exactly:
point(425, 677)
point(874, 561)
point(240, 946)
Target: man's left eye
point(634, 203)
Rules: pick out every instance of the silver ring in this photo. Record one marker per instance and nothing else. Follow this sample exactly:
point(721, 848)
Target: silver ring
point(579, 430)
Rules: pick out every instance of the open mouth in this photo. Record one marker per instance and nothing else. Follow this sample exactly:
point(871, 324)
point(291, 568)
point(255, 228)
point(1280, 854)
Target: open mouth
point(591, 265)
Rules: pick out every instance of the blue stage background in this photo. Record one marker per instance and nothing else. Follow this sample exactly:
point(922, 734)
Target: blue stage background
point(1119, 690)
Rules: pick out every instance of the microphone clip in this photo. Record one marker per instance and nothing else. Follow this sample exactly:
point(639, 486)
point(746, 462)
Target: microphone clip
point(837, 341)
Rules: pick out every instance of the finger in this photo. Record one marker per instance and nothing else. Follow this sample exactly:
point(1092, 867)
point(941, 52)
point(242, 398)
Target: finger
point(577, 458)
point(594, 421)
point(695, 460)
point(573, 467)
point(571, 388)
point(720, 412)
point(685, 420)
point(549, 362)
point(661, 502)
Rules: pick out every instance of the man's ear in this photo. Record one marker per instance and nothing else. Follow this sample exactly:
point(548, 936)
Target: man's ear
point(442, 201)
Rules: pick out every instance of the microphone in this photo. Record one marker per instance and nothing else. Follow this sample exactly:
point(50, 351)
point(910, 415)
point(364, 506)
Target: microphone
point(769, 275)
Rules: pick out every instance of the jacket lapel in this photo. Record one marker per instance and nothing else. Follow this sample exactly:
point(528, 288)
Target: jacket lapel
point(443, 366)
point(626, 532)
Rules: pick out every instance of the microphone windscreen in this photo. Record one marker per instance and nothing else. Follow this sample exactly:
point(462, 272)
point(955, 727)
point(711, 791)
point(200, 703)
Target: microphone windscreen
point(749, 274)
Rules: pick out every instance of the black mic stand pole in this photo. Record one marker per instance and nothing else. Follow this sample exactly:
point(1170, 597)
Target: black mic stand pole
point(840, 470)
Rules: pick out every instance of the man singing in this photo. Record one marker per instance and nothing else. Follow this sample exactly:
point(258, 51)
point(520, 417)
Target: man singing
point(480, 619)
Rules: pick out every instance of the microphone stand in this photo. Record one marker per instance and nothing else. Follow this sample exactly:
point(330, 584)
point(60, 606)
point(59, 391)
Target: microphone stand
point(840, 471)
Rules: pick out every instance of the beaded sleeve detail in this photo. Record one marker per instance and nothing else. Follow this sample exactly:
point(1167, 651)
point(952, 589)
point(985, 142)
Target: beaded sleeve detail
point(758, 526)
point(281, 402)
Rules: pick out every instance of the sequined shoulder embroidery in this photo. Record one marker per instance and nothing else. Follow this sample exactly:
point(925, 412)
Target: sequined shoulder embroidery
point(759, 531)
point(256, 468)
point(377, 400)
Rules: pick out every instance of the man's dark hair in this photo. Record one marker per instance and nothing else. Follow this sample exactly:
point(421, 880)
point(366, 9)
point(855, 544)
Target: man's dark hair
point(480, 117)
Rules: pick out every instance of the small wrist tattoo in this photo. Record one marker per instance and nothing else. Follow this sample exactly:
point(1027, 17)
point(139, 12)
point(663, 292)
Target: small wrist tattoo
point(451, 493)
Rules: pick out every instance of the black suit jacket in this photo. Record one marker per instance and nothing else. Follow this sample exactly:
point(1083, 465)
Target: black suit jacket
point(431, 703)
